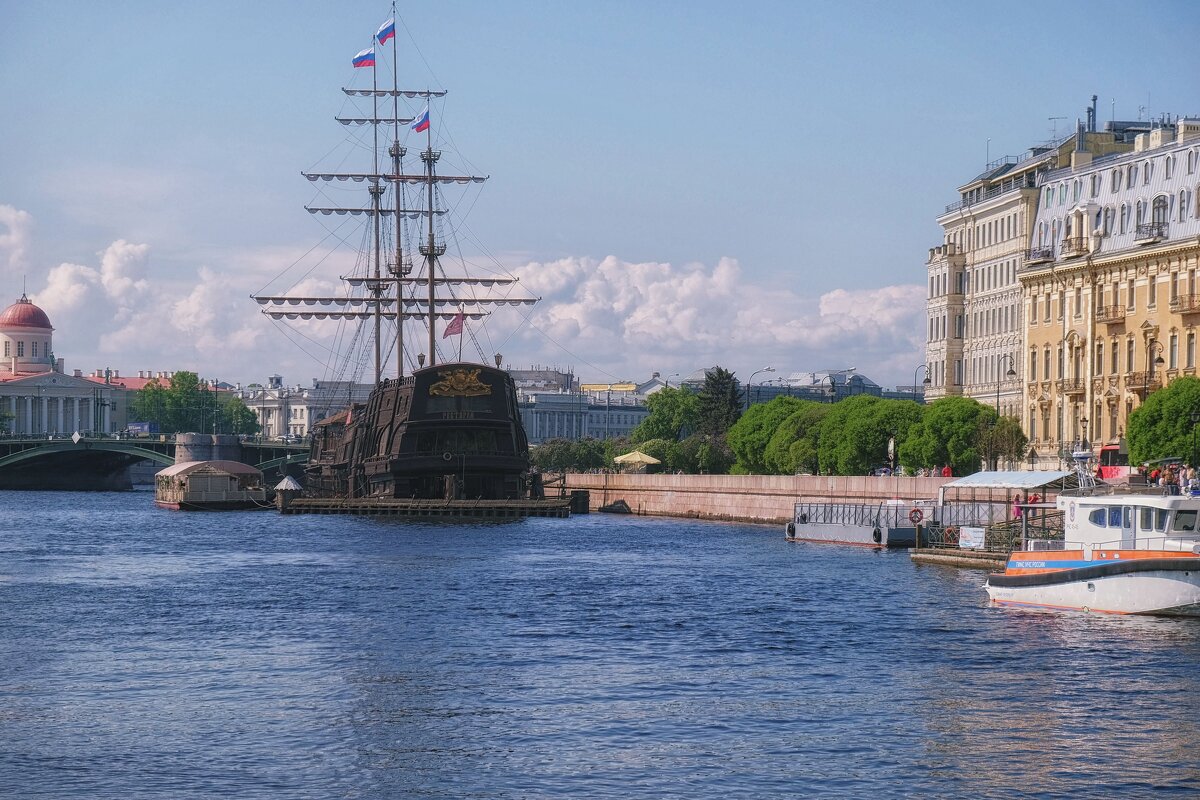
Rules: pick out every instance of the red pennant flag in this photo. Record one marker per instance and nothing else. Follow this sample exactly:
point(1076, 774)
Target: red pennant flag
point(455, 327)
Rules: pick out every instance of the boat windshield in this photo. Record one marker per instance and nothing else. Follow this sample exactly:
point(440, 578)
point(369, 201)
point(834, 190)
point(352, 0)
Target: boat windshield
point(1184, 521)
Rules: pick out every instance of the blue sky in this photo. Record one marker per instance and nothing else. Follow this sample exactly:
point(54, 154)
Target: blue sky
point(683, 183)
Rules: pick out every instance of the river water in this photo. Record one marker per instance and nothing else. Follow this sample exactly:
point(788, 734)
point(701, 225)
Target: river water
point(155, 654)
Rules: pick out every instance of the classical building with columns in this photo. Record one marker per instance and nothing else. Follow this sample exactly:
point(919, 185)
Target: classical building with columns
point(36, 397)
point(1109, 286)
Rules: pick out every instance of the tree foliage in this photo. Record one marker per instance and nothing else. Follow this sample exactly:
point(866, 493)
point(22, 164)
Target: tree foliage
point(948, 433)
point(720, 402)
point(563, 455)
point(1002, 443)
point(184, 405)
point(1162, 426)
point(793, 447)
point(673, 414)
point(750, 435)
point(854, 434)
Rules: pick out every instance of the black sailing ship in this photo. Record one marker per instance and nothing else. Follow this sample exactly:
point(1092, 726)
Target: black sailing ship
point(439, 431)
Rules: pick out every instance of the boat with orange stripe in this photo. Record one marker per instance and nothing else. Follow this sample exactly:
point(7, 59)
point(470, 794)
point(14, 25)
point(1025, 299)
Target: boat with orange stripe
point(1120, 553)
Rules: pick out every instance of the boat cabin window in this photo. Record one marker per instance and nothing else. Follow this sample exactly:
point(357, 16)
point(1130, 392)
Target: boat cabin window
point(1097, 517)
point(1114, 517)
point(1153, 519)
point(1184, 521)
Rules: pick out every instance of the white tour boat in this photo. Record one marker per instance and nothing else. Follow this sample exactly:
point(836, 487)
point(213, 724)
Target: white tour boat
point(1121, 553)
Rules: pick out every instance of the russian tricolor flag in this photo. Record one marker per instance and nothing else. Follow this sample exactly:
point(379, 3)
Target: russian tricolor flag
point(366, 58)
point(421, 123)
point(386, 31)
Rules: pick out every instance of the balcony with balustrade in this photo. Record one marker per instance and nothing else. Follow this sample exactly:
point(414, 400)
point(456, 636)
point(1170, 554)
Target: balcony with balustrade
point(1073, 247)
point(1150, 232)
point(1038, 255)
point(1110, 315)
point(1070, 386)
point(1185, 304)
point(1142, 380)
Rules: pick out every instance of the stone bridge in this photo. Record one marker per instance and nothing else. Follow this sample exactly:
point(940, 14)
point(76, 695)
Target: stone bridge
point(103, 463)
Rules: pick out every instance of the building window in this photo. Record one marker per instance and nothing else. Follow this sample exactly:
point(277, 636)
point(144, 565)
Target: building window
point(33, 349)
point(1046, 308)
point(1033, 364)
point(20, 349)
point(1152, 292)
point(1173, 352)
point(1115, 364)
point(1182, 204)
point(1159, 212)
point(1099, 358)
point(1116, 181)
point(1129, 355)
point(1191, 351)
point(7, 349)
point(1046, 363)
point(1129, 299)
point(1174, 286)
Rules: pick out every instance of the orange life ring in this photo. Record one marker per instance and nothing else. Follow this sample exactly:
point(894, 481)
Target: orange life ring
point(915, 516)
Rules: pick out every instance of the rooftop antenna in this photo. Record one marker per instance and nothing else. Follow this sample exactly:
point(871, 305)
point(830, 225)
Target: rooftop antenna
point(1054, 127)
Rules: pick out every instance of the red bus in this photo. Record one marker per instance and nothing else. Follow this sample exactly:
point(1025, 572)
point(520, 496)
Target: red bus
point(1114, 463)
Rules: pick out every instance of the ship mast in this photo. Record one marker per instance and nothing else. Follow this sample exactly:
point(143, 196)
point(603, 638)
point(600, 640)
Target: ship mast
point(431, 250)
point(376, 190)
point(397, 151)
point(379, 302)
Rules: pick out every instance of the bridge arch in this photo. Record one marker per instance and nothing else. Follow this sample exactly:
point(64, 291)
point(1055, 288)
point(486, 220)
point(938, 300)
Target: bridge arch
point(114, 446)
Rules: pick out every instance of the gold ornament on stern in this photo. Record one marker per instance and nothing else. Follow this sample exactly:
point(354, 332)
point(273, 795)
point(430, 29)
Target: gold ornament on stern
point(459, 383)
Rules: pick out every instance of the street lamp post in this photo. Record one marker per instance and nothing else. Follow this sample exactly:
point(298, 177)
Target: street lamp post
point(1153, 347)
point(1083, 423)
point(1012, 373)
point(925, 383)
point(1195, 418)
point(750, 383)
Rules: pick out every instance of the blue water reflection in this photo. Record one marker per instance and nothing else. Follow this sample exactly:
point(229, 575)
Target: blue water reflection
point(155, 654)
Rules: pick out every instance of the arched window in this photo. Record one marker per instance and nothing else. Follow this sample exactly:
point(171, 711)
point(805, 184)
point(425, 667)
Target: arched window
point(1115, 185)
point(1124, 218)
point(1159, 212)
point(1140, 216)
point(1182, 204)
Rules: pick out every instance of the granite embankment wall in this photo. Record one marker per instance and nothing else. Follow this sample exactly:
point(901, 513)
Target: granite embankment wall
point(746, 498)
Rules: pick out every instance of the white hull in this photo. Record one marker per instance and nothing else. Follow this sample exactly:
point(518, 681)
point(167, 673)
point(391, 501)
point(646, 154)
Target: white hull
point(1171, 592)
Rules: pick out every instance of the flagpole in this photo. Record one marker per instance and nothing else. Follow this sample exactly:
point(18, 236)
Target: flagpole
point(462, 333)
point(376, 190)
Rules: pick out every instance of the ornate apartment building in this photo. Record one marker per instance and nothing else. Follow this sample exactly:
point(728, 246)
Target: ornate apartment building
point(975, 311)
point(1109, 286)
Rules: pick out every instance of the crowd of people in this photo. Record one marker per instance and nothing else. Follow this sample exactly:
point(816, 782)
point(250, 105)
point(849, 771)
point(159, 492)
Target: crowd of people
point(1173, 478)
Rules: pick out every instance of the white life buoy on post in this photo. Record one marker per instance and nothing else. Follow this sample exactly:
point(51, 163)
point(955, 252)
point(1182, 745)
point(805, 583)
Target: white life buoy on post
point(915, 516)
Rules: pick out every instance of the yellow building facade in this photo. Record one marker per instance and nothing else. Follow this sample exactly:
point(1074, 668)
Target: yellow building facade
point(1109, 288)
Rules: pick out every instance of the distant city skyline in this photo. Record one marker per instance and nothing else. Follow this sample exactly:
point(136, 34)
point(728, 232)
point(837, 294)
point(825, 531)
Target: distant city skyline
point(683, 185)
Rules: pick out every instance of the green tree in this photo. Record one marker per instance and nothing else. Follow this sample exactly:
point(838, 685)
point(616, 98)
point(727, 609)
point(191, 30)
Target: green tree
point(752, 433)
point(554, 455)
point(793, 446)
point(588, 454)
point(948, 433)
point(5, 422)
point(720, 402)
point(237, 417)
point(1001, 443)
point(1161, 427)
point(187, 405)
point(854, 433)
point(673, 413)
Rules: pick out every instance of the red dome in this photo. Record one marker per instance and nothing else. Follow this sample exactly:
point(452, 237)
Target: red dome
point(24, 314)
